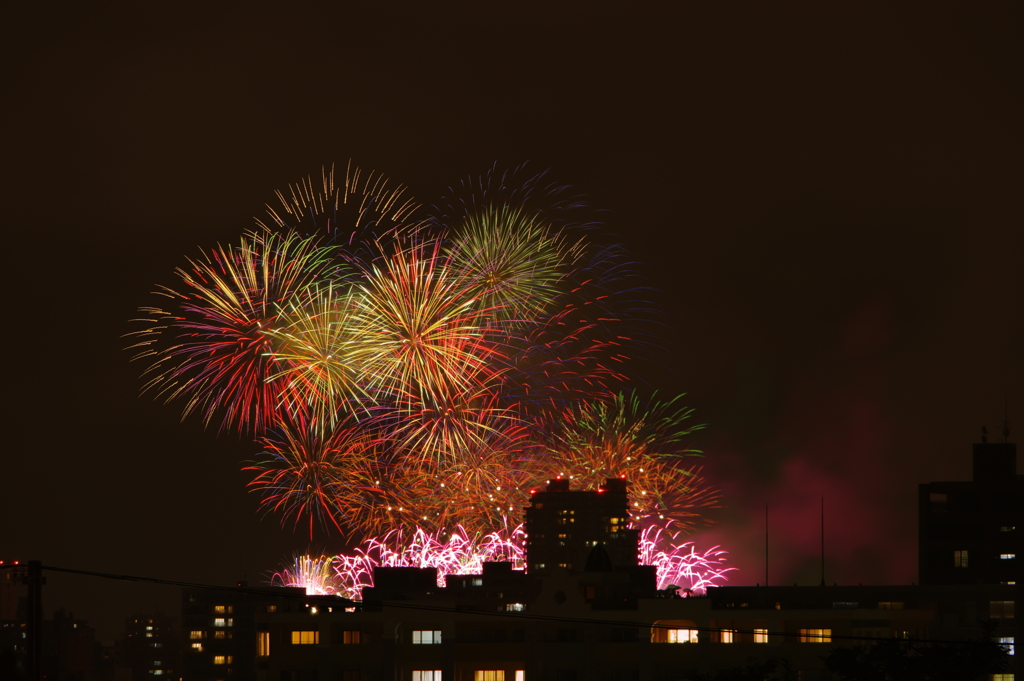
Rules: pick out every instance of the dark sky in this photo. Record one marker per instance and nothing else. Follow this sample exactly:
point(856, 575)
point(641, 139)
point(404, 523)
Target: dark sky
point(828, 202)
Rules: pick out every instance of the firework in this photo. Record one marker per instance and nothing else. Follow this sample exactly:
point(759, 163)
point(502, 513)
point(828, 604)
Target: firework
point(317, 473)
point(640, 443)
point(211, 347)
point(679, 564)
point(421, 374)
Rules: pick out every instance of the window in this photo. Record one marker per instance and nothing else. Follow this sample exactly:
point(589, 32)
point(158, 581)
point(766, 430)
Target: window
point(1001, 677)
point(567, 566)
point(890, 605)
point(305, 638)
point(197, 635)
point(515, 607)
point(727, 636)
point(760, 636)
point(263, 644)
point(489, 675)
point(222, 659)
point(221, 634)
point(271, 608)
point(426, 636)
point(1000, 610)
point(1007, 643)
point(223, 609)
point(960, 559)
point(682, 635)
point(478, 582)
point(198, 647)
point(420, 675)
point(1007, 528)
point(350, 636)
point(223, 622)
point(1007, 556)
point(815, 636)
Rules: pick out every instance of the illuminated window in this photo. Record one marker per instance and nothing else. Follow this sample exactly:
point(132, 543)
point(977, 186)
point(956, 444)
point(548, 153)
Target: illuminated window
point(426, 675)
point(197, 634)
point(1007, 643)
point(305, 638)
point(960, 559)
point(149, 628)
point(198, 647)
point(157, 672)
point(1007, 556)
point(815, 636)
point(760, 636)
point(539, 566)
point(515, 607)
point(489, 675)
point(222, 634)
point(350, 636)
point(565, 565)
point(1007, 528)
point(271, 608)
point(1000, 610)
point(682, 635)
point(222, 659)
point(478, 582)
point(223, 622)
point(727, 636)
point(890, 605)
point(263, 643)
point(426, 636)
point(520, 675)
point(1001, 677)
point(223, 609)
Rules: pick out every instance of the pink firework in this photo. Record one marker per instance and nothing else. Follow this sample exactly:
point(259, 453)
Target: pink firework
point(681, 564)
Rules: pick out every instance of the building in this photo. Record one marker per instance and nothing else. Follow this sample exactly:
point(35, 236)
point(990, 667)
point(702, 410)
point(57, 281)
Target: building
point(150, 647)
point(576, 615)
point(973, 532)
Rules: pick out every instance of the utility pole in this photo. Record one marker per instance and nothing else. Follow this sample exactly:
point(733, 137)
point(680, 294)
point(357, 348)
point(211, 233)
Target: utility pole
point(34, 635)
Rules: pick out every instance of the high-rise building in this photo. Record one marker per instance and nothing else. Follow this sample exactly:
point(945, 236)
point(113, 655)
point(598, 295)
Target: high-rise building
point(971, 532)
point(571, 528)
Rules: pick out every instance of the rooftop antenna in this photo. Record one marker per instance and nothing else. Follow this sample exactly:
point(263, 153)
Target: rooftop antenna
point(823, 540)
point(1006, 418)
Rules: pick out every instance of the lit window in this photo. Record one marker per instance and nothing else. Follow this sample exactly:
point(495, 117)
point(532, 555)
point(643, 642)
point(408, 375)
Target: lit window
point(271, 608)
point(1000, 610)
point(727, 635)
point(815, 636)
point(198, 647)
point(478, 582)
point(263, 643)
point(222, 659)
point(305, 638)
point(223, 609)
point(1001, 677)
point(682, 635)
point(157, 672)
point(149, 628)
point(565, 565)
point(539, 566)
point(196, 634)
point(421, 675)
point(489, 675)
point(760, 636)
point(350, 636)
point(1007, 528)
point(157, 663)
point(520, 675)
point(1007, 556)
point(890, 605)
point(960, 559)
point(156, 645)
point(223, 622)
point(1007, 643)
point(222, 634)
point(426, 636)
point(515, 607)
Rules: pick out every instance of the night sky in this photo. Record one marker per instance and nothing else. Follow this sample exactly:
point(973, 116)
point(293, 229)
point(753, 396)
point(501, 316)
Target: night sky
point(827, 204)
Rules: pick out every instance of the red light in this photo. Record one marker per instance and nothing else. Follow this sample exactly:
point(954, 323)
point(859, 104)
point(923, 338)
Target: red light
point(600, 489)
